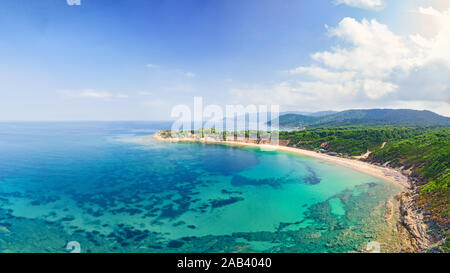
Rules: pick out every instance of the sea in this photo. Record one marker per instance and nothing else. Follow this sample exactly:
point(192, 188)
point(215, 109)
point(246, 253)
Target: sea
point(106, 187)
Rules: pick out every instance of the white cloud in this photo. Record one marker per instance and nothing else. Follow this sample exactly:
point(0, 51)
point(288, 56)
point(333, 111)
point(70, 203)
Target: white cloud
point(189, 75)
point(322, 73)
point(309, 96)
point(364, 67)
point(91, 93)
point(438, 47)
point(375, 89)
point(151, 66)
point(370, 66)
point(430, 11)
point(376, 60)
point(73, 2)
point(373, 49)
point(363, 4)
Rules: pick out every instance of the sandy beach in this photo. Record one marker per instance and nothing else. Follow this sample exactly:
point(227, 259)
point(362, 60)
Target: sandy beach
point(386, 173)
point(413, 230)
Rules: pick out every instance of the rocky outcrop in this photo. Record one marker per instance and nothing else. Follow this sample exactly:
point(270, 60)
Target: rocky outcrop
point(413, 220)
point(389, 210)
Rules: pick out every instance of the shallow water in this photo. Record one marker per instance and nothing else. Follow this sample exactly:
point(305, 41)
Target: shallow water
point(99, 184)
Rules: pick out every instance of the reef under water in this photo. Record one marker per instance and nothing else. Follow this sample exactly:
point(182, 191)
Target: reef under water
point(108, 188)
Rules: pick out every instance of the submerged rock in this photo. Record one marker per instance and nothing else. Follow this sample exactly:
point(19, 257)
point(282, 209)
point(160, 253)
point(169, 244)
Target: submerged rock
point(311, 178)
point(175, 244)
point(224, 202)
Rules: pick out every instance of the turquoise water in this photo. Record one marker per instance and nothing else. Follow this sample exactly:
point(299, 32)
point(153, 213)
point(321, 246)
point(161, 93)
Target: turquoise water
point(111, 189)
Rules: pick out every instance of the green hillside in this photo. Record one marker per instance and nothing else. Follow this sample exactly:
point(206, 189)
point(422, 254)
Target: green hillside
point(373, 117)
point(425, 152)
point(296, 120)
point(428, 156)
point(352, 141)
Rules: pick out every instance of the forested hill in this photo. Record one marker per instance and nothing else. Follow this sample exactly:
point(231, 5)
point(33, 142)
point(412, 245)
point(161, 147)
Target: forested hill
point(424, 153)
point(371, 117)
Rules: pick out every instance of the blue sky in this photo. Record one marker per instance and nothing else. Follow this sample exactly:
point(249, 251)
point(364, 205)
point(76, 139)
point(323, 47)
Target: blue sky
point(134, 60)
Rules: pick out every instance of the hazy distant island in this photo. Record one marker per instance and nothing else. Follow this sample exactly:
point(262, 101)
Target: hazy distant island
point(407, 147)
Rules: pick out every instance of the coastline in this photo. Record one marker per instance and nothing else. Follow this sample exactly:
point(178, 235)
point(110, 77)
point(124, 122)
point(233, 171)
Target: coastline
point(385, 173)
point(409, 228)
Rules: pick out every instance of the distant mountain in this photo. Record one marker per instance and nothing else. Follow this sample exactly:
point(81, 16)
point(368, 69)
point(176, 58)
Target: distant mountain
point(294, 120)
point(371, 117)
point(323, 113)
point(312, 114)
point(307, 117)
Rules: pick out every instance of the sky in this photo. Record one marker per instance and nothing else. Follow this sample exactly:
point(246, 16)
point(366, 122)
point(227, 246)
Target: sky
point(137, 59)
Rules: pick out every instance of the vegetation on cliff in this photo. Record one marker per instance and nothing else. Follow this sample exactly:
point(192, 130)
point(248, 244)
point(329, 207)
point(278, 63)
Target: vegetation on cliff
point(353, 141)
point(423, 152)
point(427, 156)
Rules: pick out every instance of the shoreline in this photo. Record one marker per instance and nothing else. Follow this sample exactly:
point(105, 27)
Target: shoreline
point(409, 226)
point(385, 173)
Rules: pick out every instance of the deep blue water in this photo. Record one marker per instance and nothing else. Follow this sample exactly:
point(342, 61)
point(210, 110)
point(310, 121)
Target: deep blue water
point(110, 187)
